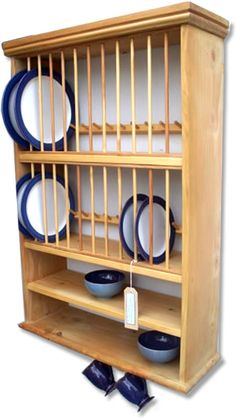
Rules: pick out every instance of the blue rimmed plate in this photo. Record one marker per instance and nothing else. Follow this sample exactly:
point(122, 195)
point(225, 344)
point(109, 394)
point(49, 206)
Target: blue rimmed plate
point(32, 207)
point(8, 106)
point(142, 229)
point(126, 226)
point(27, 109)
point(20, 189)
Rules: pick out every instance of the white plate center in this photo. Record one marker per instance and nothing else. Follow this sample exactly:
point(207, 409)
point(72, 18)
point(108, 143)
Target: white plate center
point(34, 207)
point(30, 109)
point(159, 245)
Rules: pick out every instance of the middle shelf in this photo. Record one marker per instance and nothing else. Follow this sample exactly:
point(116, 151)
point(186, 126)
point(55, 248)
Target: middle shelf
point(156, 311)
point(71, 249)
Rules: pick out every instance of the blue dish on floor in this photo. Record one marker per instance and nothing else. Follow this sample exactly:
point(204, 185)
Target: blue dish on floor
point(158, 347)
point(101, 375)
point(134, 389)
point(104, 283)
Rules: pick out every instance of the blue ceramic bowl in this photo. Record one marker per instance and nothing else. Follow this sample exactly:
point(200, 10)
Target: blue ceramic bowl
point(134, 389)
point(158, 347)
point(101, 375)
point(104, 283)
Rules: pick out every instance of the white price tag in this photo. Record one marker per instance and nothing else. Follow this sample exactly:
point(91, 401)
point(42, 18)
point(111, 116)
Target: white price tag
point(131, 308)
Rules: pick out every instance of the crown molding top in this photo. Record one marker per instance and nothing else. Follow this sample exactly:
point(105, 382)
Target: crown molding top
point(161, 18)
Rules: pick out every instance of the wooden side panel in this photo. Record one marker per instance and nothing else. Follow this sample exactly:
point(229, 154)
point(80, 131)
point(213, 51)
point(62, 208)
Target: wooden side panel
point(202, 97)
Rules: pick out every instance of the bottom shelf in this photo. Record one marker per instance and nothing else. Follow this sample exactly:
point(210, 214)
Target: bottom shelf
point(108, 341)
point(102, 339)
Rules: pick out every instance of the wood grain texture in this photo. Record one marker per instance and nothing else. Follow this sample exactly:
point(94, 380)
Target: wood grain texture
point(164, 17)
point(202, 95)
point(156, 311)
point(142, 268)
point(83, 331)
point(106, 159)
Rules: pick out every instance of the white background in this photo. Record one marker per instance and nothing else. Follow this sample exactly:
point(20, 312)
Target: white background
point(42, 380)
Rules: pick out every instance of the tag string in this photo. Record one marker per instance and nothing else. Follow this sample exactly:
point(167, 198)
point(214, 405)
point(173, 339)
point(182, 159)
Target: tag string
point(131, 273)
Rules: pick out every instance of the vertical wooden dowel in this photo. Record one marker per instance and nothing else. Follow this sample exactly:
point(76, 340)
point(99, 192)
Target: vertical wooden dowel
point(63, 83)
point(105, 211)
point(150, 181)
point(67, 206)
point(149, 75)
point(76, 90)
point(118, 136)
point(132, 81)
point(167, 221)
point(103, 77)
point(89, 80)
point(91, 177)
point(77, 143)
point(40, 100)
point(41, 126)
point(52, 103)
point(134, 211)
point(79, 206)
point(54, 171)
point(31, 147)
point(150, 173)
point(104, 146)
point(133, 122)
point(119, 178)
point(167, 116)
point(55, 202)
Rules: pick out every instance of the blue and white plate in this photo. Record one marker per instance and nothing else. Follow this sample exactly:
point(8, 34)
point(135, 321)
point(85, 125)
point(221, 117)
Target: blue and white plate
point(126, 226)
point(32, 207)
point(159, 238)
point(27, 109)
point(8, 106)
point(20, 189)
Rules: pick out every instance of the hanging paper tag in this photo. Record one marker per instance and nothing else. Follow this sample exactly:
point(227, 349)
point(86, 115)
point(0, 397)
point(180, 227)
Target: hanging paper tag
point(131, 308)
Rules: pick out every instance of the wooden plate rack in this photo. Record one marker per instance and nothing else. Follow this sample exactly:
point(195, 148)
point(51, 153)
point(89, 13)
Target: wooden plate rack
point(108, 148)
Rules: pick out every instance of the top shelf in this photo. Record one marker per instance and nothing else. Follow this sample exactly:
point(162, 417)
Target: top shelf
point(156, 19)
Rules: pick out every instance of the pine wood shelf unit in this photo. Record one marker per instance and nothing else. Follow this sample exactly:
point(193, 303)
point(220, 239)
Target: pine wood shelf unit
point(165, 148)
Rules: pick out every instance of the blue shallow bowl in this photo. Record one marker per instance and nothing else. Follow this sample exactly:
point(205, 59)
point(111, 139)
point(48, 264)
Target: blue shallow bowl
point(104, 283)
point(134, 389)
point(158, 347)
point(100, 375)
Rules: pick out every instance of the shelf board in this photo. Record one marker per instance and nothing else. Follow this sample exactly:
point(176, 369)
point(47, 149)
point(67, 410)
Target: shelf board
point(156, 311)
point(85, 255)
point(139, 160)
point(104, 340)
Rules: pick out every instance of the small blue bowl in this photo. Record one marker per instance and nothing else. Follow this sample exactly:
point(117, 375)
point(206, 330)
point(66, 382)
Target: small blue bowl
point(100, 375)
point(158, 347)
point(104, 283)
point(134, 389)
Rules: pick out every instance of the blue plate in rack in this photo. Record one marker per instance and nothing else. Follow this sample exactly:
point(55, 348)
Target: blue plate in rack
point(20, 189)
point(32, 207)
point(126, 226)
point(8, 114)
point(27, 111)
